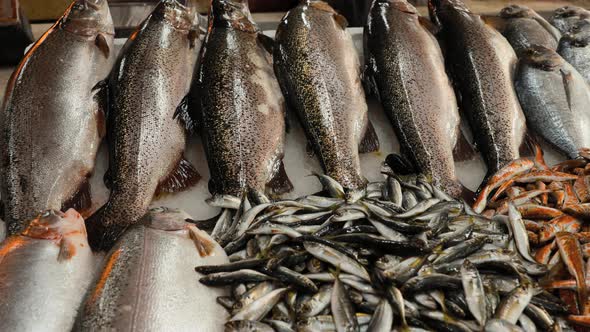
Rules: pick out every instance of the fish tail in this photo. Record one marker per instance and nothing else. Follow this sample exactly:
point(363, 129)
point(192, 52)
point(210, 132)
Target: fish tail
point(102, 234)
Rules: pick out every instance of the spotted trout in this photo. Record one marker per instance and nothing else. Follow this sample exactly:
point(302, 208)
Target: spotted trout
point(482, 64)
point(319, 72)
point(148, 119)
point(149, 284)
point(59, 85)
point(404, 61)
point(46, 271)
point(239, 105)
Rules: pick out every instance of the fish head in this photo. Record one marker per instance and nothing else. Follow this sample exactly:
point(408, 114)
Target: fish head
point(401, 5)
point(55, 225)
point(578, 36)
point(569, 11)
point(516, 11)
point(181, 15)
point(166, 219)
point(444, 10)
point(542, 57)
point(88, 18)
point(232, 13)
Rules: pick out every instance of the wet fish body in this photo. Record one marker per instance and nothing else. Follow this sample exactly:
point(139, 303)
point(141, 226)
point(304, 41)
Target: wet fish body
point(319, 72)
point(574, 47)
point(147, 121)
point(554, 96)
point(239, 106)
point(404, 60)
point(482, 64)
point(525, 28)
point(53, 115)
point(150, 272)
point(49, 263)
point(565, 17)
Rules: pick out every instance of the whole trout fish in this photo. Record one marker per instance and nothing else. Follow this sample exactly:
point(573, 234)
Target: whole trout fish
point(148, 282)
point(525, 28)
point(239, 105)
point(148, 119)
point(566, 17)
point(46, 271)
point(59, 85)
point(482, 64)
point(574, 47)
point(319, 72)
point(403, 61)
point(555, 99)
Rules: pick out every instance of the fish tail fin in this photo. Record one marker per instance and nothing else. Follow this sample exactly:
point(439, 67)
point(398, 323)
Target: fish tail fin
point(182, 177)
point(81, 200)
point(370, 141)
point(463, 150)
point(280, 183)
point(528, 145)
point(467, 194)
point(101, 234)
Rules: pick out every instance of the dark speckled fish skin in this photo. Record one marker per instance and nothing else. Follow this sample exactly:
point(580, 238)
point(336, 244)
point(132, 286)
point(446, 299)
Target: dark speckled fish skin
point(407, 66)
point(146, 141)
point(239, 105)
point(555, 99)
point(52, 119)
point(483, 64)
point(319, 72)
point(525, 28)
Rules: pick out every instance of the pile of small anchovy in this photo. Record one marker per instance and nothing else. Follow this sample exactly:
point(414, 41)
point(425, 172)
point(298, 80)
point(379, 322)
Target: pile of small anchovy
point(554, 201)
point(405, 257)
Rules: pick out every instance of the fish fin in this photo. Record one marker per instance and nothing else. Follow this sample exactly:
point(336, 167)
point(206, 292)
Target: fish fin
point(370, 141)
point(280, 183)
point(467, 195)
point(496, 22)
point(267, 42)
point(400, 164)
point(67, 250)
point(81, 200)
point(108, 178)
point(101, 97)
point(463, 150)
point(204, 244)
point(309, 149)
point(369, 82)
point(207, 224)
point(568, 79)
point(192, 36)
point(183, 176)
point(428, 25)
point(341, 20)
point(102, 44)
point(183, 115)
point(528, 146)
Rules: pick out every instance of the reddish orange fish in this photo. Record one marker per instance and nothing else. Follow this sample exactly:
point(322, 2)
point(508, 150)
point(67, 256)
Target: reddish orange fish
point(571, 254)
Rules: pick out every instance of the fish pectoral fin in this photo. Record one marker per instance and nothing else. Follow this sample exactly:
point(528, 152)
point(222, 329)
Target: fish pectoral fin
point(496, 22)
point(463, 149)
point(183, 115)
point(81, 199)
point(266, 42)
point(204, 244)
point(182, 177)
point(101, 98)
point(428, 25)
point(280, 182)
point(370, 141)
point(103, 45)
point(67, 250)
point(568, 83)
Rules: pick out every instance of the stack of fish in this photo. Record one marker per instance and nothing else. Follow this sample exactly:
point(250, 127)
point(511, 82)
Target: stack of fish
point(554, 203)
point(407, 256)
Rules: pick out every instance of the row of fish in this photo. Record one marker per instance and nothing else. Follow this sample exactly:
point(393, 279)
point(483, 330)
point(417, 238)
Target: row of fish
point(407, 257)
point(51, 280)
point(554, 203)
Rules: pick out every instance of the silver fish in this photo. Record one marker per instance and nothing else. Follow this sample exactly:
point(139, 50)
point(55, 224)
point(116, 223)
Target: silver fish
point(565, 17)
point(500, 325)
point(319, 72)
point(336, 258)
point(382, 319)
point(482, 64)
point(259, 308)
point(513, 304)
point(50, 262)
point(574, 47)
point(159, 254)
point(345, 319)
point(519, 233)
point(525, 28)
point(403, 60)
point(239, 106)
point(52, 117)
point(554, 96)
point(474, 292)
point(148, 120)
